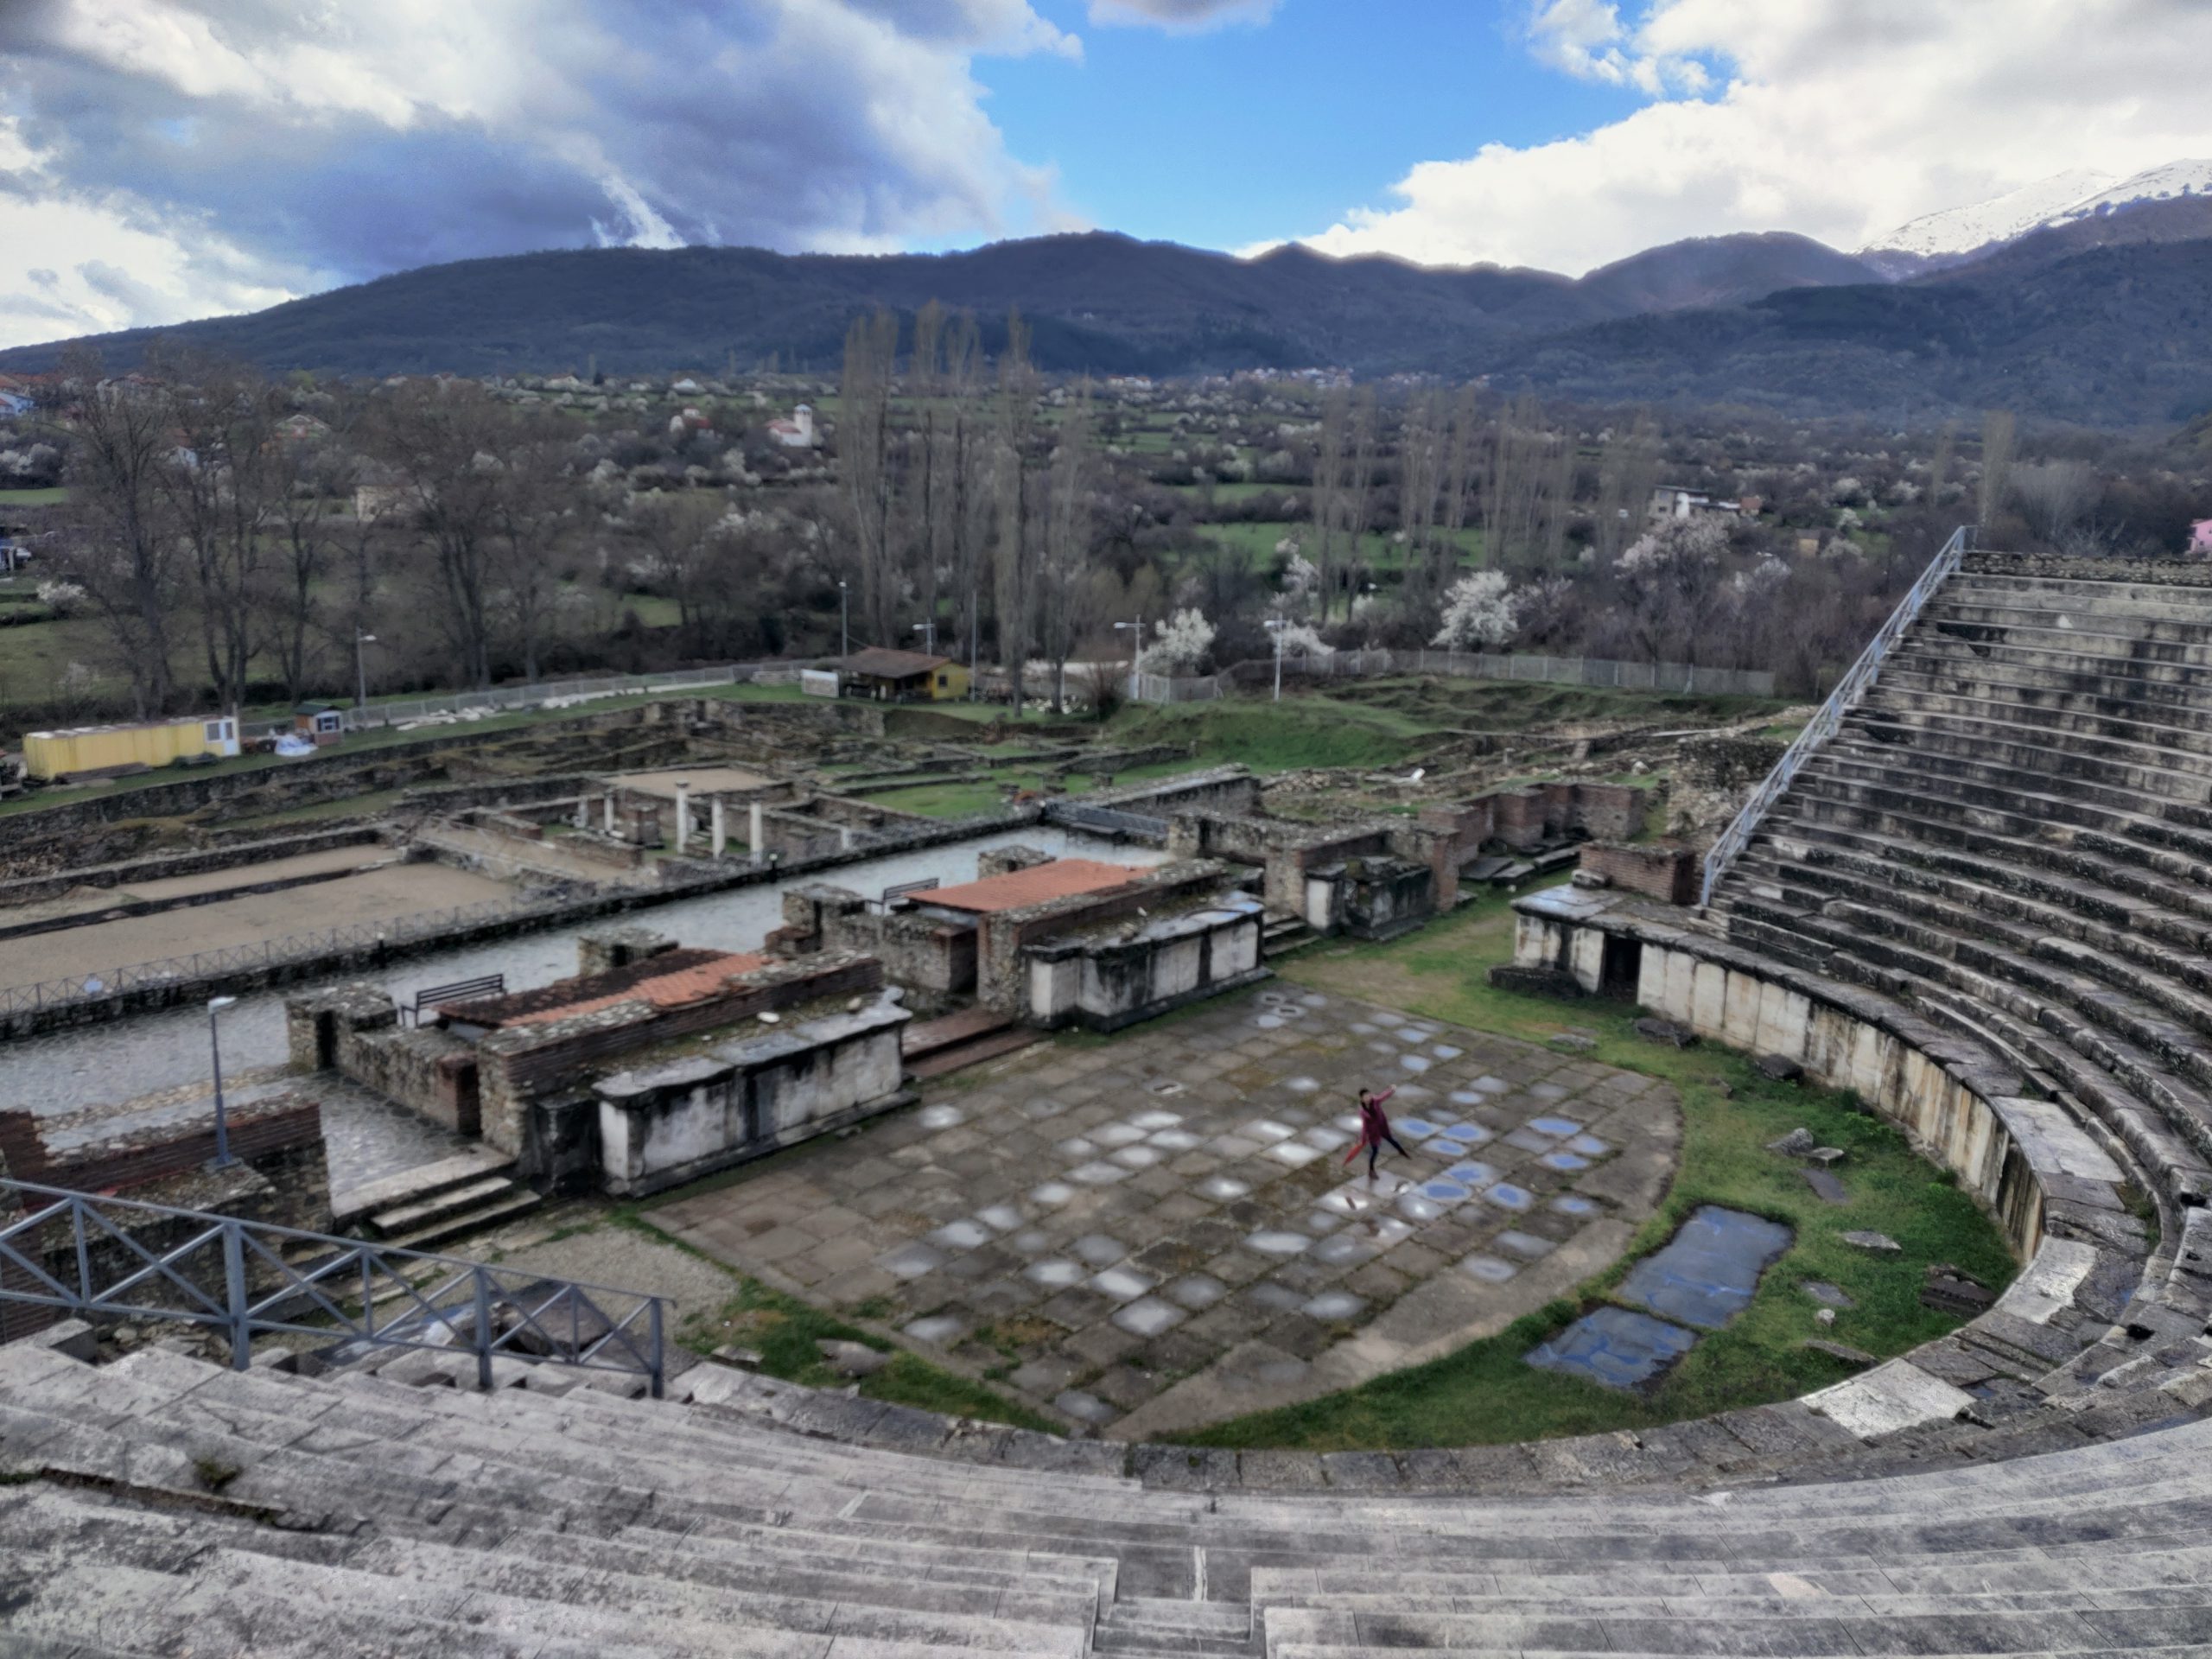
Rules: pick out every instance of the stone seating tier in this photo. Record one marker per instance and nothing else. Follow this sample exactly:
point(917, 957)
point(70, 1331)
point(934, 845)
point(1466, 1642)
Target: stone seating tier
point(175, 1506)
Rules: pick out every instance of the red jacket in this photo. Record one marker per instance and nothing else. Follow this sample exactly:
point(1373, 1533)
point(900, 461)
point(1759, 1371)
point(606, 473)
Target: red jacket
point(1374, 1127)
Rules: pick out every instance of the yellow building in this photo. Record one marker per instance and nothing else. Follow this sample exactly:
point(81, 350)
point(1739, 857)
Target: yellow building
point(902, 676)
point(82, 749)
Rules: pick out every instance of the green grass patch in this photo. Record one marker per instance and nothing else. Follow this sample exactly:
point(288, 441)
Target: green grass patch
point(53, 496)
point(1305, 730)
point(1486, 1393)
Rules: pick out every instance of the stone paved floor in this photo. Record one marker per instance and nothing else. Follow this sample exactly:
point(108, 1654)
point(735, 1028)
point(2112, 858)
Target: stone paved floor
point(1157, 1230)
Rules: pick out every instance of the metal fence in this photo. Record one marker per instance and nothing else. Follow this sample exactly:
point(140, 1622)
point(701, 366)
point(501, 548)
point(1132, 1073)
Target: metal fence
point(546, 693)
point(1841, 700)
point(1685, 679)
point(91, 1256)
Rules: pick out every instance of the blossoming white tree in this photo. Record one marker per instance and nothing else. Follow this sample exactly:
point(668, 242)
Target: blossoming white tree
point(1478, 611)
point(1180, 646)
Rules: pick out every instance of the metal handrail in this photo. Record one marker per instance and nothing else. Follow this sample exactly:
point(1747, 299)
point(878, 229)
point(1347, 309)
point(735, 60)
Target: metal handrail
point(1840, 701)
point(343, 1280)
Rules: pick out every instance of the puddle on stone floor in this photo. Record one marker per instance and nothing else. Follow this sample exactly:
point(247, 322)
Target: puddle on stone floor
point(1699, 1280)
point(1614, 1346)
point(1706, 1274)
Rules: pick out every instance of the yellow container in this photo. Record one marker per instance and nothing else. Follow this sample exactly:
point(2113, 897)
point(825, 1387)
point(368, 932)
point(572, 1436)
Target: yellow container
point(105, 748)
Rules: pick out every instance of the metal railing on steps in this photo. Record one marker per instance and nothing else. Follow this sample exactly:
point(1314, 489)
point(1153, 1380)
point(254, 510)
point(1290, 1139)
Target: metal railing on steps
point(97, 1257)
point(1840, 701)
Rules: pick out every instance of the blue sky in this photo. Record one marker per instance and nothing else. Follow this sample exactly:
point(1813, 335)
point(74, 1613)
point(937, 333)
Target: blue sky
point(167, 159)
point(1157, 135)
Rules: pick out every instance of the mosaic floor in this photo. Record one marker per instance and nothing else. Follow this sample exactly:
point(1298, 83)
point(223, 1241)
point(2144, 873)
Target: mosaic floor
point(1157, 1230)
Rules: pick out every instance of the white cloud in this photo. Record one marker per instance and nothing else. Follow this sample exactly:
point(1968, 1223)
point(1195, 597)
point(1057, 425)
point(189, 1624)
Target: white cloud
point(1839, 119)
point(227, 153)
point(1181, 17)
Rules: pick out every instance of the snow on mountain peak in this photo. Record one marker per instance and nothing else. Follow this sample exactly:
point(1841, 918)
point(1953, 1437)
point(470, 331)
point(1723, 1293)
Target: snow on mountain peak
point(1962, 229)
point(2158, 184)
point(2061, 199)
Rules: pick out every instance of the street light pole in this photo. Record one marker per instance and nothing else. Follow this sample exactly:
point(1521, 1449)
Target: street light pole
point(361, 669)
point(1275, 626)
point(223, 1159)
point(845, 616)
point(1136, 649)
point(928, 630)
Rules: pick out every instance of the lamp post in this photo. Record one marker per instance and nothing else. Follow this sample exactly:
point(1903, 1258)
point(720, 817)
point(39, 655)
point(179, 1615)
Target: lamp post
point(223, 1159)
point(1275, 626)
point(362, 668)
point(928, 630)
point(845, 616)
point(1136, 649)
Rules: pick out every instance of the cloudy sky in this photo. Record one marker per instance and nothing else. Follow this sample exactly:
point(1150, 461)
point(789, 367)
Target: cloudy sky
point(166, 159)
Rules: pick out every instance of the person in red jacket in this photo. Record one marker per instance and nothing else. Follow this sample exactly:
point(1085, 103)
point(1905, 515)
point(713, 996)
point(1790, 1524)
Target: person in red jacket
point(1374, 1129)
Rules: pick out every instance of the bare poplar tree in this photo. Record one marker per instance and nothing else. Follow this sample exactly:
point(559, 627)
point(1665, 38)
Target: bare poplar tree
point(1066, 592)
point(440, 439)
point(1017, 399)
point(123, 544)
point(217, 484)
point(1330, 463)
point(1997, 430)
point(865, 463)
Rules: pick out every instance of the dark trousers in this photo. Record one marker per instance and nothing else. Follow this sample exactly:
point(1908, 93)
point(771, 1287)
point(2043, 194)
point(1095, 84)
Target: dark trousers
point(1375, 1146)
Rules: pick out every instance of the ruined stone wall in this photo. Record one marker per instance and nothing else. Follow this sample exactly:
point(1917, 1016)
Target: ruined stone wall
point(661, 1126)
point(1654, 869)
point(1104, 984)
point(159, 866)
point(1001, 939)
point(518, 1064)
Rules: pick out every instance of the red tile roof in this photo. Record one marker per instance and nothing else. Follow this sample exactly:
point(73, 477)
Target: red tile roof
point(1017, 889)
point(678, 988)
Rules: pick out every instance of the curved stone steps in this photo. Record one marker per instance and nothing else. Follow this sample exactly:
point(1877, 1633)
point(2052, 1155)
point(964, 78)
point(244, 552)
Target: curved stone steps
point(2095, 640)
point(1959, 603)
point(2035, 794)
point(2067, 708)
point(2171, 852)
point(2130, 889)
point(2146, 773)
point(2077, 671)
point(2036, 933)
point(2021, 880)
point(1974, 719)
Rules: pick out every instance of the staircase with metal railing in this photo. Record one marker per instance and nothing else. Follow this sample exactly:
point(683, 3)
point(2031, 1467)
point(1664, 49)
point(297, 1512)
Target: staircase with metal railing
point(1847, 695)
point(96, 1257)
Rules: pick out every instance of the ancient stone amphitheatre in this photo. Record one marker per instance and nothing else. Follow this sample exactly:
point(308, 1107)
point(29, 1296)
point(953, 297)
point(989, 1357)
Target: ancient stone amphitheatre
point(1983, 903)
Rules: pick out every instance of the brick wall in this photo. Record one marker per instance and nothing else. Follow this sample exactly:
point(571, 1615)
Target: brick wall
point(1665, 872)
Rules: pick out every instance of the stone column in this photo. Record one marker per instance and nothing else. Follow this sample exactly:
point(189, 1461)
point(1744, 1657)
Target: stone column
point(844, 838)
point(720, 827)
point(759, 845)
point(683, 816)
point(583, 813)
point(610, 812)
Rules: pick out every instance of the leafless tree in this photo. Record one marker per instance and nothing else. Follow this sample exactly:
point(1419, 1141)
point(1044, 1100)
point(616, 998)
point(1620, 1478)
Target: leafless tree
point(533, 505)
point(219, 482)
point(865, 462)
point(1066, 586)
point(440, 440)
point(2055, 495)
point(1018, 527)
point(1996, 428)
point(123, 540)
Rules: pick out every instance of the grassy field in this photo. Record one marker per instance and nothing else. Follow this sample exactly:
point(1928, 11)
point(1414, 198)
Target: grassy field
point(53, 496)
point(1486, 1394)
point(1257, 541)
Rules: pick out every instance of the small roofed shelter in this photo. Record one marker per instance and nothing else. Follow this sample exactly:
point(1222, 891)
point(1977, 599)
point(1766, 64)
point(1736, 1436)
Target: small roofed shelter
point(886, 675)
point(321, 723)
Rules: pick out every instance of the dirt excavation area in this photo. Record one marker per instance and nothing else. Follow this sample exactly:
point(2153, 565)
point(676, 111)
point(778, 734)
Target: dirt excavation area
point(91, 901)
point(703, 781)
point(380, 894)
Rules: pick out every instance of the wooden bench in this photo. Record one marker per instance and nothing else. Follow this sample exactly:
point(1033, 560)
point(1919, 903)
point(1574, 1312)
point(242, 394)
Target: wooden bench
point(461, 990)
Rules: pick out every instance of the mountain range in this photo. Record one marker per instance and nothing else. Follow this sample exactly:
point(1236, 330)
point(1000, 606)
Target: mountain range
point(2077, 299)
